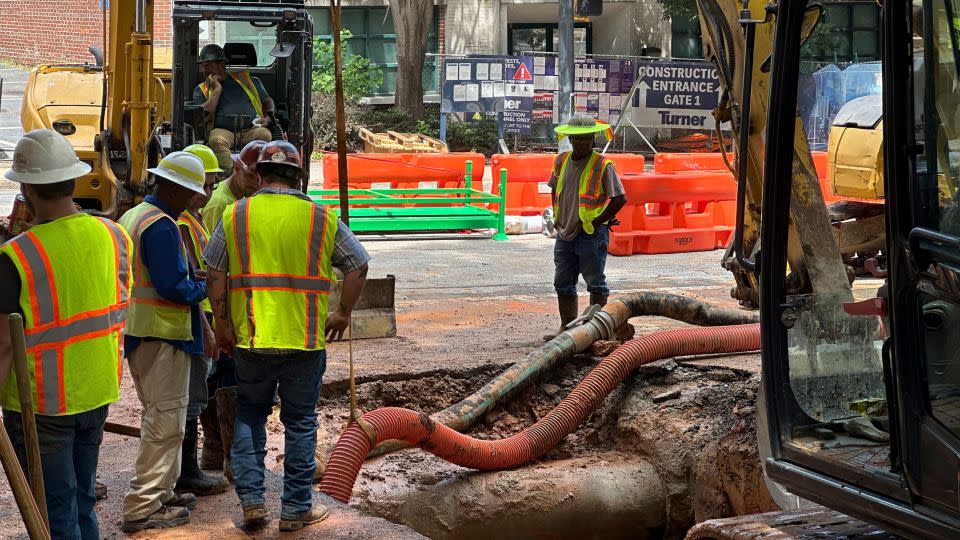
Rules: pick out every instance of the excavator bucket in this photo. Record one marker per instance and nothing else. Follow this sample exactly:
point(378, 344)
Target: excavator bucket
point(375, 314)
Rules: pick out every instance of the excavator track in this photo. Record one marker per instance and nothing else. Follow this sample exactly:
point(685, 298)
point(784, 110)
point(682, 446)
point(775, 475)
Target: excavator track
point(813, 523)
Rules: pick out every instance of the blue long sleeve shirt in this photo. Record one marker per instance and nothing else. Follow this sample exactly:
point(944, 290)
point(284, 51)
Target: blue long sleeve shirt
point(171, 276)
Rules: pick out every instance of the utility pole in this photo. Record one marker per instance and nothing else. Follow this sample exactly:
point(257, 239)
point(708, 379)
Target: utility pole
point(565, 66)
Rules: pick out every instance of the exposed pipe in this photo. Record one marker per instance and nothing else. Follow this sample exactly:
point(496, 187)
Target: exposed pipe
point(419, 429)
point(141, 20)
point(617, 312)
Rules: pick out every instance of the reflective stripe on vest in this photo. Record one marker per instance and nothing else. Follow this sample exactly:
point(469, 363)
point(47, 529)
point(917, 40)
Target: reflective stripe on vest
point(279, 249)
point(593, 199)
point(245, 81)
point(151, 315)
point(199, 238)
point(74, 320)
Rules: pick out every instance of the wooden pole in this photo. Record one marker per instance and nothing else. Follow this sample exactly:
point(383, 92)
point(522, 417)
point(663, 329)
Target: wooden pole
point(30, 438)
point(32, 520)
point(120, 429)
point(341, 122)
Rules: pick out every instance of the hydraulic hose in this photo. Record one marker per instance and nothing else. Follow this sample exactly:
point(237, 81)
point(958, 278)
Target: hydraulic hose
point(419, 429)
point(460, 416)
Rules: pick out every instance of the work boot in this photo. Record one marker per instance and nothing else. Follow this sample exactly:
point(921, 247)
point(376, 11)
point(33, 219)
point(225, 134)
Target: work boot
point(100, 490)
point(568, 306)
point(597, 299)
point(211, 454)
point(164, 518)
point(192, 479)
point(254, 515)
point(182, 500)
point(316, 514)
point(227, 416)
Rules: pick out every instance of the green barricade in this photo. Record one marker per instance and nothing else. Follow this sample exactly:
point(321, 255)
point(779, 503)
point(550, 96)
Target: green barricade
point(412, 210)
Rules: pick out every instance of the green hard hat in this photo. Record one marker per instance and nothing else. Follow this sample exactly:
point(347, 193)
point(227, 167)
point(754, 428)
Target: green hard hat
point(212, 53)
point(206, 155)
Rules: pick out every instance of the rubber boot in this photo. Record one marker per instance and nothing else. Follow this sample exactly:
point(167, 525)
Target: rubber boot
point(192, 479)
point(598, 299)
point(568, 307)
point(227, 415)
point(211, 455)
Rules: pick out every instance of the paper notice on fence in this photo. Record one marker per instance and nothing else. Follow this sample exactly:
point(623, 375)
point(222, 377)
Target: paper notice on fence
point(465, 72)
point(486, 89)
point(460, 92)
point(539, 65)
point(496, 72)
point(453, 72)
point(483, 71)
point(499, 89)
point(473, 92)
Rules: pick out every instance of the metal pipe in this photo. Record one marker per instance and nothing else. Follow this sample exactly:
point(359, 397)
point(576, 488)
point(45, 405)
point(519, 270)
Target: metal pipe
point(743, 141)
point(25, 394)
point(565, 65)
point(140, 26)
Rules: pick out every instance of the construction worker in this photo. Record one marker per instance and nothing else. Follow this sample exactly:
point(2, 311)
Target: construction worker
point(165, 330)
point(232, 101)
point(220, 416)
point(74, 304)
point(279, 249)
point(586, 194)
point(195, 235)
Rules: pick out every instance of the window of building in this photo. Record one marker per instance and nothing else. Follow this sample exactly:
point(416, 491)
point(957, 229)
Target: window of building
point(374, 37)
point(544, 37)
point(848, 32)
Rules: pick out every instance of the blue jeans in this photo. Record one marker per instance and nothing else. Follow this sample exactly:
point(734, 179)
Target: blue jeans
point(298, 376)
point(585, 254)
point(69, 450)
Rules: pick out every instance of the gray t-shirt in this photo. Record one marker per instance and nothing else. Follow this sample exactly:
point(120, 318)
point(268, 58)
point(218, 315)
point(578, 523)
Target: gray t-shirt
point(568, 207)
point(233, 101)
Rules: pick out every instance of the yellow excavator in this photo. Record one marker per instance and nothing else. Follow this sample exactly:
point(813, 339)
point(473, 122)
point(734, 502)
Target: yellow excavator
point(133, 104)
point(859, 409)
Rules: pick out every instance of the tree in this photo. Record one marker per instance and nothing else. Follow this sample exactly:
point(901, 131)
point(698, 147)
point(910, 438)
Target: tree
point(412, 21)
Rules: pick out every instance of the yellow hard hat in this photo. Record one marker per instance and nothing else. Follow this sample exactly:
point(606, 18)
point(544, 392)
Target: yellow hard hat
point(206, 155)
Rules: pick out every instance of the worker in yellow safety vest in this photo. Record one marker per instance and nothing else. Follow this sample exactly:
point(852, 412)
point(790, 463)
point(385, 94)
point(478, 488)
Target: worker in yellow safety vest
point(586, 194)
point(165, 331)
point(195, 235)
point(74, 303)
point(233, 101)
point(270, 267)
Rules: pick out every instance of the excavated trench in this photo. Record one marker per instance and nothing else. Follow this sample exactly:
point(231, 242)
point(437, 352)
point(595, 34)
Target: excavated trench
point(675, 443)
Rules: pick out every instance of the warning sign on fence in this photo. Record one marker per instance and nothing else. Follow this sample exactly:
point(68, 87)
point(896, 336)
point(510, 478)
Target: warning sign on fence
point(676, 95)
point(490, 86)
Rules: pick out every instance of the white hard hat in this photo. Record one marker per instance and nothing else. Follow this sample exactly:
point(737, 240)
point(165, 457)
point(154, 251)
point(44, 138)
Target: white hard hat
point(45, 157)
point(182, 168)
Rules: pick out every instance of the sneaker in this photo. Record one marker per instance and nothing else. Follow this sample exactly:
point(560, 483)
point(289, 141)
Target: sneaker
point(164, 518)
point(254, 514)
point(183, 500)
point(316, 514)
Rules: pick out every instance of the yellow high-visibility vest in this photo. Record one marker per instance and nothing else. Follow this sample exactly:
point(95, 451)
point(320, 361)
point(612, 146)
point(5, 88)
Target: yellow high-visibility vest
point(245, 81)
point(150, 314)
point(199, 238)
point(74, 303)
point(279, 249)
point(593, 198)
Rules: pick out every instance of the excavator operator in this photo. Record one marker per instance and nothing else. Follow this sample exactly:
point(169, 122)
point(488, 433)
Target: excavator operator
point(227, 98)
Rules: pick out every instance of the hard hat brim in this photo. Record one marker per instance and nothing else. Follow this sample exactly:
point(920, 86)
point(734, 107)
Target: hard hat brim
point(178, 179)
point(566, 130)
point(72, 172)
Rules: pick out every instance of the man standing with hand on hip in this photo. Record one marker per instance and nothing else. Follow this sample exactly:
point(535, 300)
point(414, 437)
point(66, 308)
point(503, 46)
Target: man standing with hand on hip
point(586, 194)
point(270, 268)
point(74, 304)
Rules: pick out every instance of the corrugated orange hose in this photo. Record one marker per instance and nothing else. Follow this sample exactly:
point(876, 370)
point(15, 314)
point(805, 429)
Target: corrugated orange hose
point(418, 429)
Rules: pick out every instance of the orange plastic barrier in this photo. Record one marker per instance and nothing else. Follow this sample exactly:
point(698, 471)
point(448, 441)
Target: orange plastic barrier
point(527, 176)
point(404, 171)
point(695, 161)
point(675, 212)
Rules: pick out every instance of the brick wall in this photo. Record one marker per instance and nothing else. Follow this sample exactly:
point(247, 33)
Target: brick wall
point(51, 31)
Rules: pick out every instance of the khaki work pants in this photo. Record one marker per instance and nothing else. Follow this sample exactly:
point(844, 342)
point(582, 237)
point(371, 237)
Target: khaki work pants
point(221, 141)
point(161, 375)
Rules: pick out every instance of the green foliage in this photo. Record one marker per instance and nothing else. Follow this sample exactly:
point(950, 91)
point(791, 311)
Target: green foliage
point(360, 75)
point(476, 136)
point(680, 9)
point(324, 122)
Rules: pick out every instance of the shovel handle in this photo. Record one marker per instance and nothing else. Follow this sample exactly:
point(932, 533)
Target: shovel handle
point(32, 520)
point(30, 438)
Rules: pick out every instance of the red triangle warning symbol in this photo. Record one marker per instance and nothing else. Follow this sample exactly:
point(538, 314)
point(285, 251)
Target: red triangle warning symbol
point(522, 74)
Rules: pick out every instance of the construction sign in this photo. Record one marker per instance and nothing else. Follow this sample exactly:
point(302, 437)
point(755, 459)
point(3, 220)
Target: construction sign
point(499, 87)
point(672, 94)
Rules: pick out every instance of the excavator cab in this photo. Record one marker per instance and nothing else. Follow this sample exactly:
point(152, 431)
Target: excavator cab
point(861, 383)
point(271, 39)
